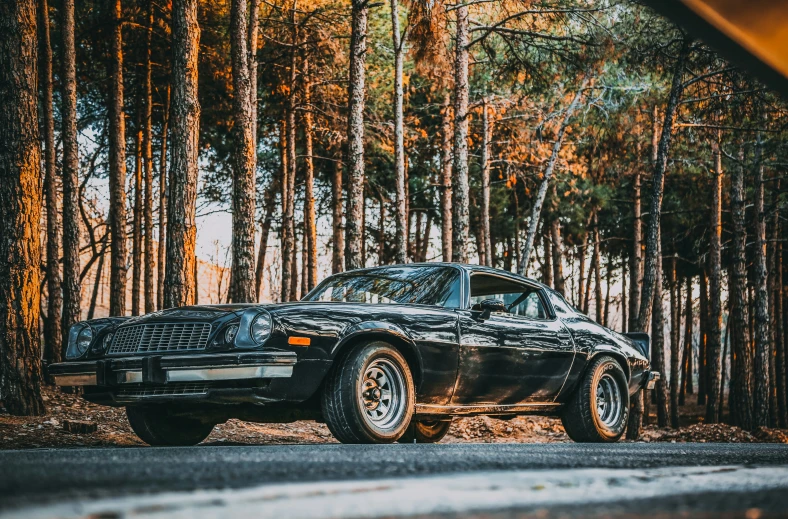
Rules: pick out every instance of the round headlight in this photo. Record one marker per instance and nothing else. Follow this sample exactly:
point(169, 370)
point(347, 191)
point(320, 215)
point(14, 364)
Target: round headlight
point(261, 327)
point(229, 335)
point(84, 339)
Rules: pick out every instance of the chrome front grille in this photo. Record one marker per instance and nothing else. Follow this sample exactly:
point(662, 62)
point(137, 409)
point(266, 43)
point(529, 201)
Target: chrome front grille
point(140, 391)
point(160, 337)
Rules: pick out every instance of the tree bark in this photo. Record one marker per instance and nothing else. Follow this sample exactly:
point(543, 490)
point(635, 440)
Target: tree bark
point(460, 209)
point(446, 170)
point(401, 219)
point(136, 225)
point(558, 257)
point(597, 274)
point(244, 161)
point(354, 231)
point(147, 158)
point(702, 345)
point(20, 212)
point(117, 170)
point(269, 198)
point(310, 221)
point(675, 344)
point(658, 345)
point(776, 277)
point(485, 216)
point(162, 203)
point(658, 184)
point(52, 333)
point(762, 342)
point(181, 264)
point(686, 379)
point(288, 184)
point(338, 251)
point(548, 173)
point(636, 258)
point(714, 399)
point(741, 375)
point(72, 300)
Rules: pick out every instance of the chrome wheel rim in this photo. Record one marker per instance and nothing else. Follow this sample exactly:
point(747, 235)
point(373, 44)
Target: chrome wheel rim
point(609, 403)
point(381, 394)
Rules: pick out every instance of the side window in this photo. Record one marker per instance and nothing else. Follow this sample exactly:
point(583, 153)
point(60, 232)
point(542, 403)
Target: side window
point(519, 299)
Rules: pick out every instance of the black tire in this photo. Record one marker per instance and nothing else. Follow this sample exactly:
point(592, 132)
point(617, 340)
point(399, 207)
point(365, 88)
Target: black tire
point(426, 431)
point(156, 426)
point(599, 409)
point(354, 395)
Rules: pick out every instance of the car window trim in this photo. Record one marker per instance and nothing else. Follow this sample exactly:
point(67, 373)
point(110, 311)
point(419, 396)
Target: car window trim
point(524, 281)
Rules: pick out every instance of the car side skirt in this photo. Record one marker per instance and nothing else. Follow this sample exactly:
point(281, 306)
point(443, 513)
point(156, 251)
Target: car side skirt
point(426, 410)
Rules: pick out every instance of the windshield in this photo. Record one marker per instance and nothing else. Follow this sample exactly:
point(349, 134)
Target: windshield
point(424, 285)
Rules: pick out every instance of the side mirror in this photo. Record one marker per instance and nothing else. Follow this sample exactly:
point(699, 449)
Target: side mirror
point(488, 306)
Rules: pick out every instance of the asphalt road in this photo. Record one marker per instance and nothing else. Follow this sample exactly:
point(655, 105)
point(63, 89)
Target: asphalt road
point(48, 475)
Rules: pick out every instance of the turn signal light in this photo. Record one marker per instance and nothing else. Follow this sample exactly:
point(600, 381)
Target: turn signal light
point(299, 341)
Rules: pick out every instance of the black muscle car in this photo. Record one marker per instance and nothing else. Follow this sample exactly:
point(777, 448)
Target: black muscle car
point(380, 355)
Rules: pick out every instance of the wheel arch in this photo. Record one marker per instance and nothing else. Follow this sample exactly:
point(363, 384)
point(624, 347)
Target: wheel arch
point(387, 332)
point(611, 351)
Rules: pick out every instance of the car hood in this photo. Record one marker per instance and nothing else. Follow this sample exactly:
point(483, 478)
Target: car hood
point(205, 313)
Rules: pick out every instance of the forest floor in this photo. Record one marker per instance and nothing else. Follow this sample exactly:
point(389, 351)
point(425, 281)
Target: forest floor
point(112, 429)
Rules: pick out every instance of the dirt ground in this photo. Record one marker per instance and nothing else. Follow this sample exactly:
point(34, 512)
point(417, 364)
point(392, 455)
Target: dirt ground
point(113, 429)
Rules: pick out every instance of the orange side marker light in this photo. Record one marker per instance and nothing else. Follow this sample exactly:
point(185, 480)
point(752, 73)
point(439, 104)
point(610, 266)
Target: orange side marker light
point(299, 341)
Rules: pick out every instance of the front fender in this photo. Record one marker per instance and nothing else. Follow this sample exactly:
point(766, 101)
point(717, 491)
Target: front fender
point(382, 330)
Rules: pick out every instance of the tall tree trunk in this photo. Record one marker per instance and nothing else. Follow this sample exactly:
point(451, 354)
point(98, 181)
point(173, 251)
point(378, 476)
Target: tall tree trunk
point(117, 170)
point(703, 343)
point(338, 251)
point(269, 199)
point(581, 292)
point(675, 343)
point(72, 300)
point(97, 280)
point(354, 231)
point(446, 169)
point(741, 375)
point(485, 216)
point(777, 320)
point(381, 229)
point(624, 307)
point(20, 212)
point(548, 173)
point(179, 280)
point(52, 334)
point(714, 401)
point(686, 379)
point(162, 203)
point(460, 203)
point(547, 266)
point(597, 273)
point(400, 242)
point(147, 157)
point(762, 343)
point(608, 284)
point(636, 258)
point(658, 184)
point(310, 223)
point(136, 225)
point(558, 257)
point(658, 345)
point(289, 274)
point(244, 160)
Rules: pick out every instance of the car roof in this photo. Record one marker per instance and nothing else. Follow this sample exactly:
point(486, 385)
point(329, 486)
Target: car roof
point(464, 266)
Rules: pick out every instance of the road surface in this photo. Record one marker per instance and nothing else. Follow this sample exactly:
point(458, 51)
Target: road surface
point(456, 480)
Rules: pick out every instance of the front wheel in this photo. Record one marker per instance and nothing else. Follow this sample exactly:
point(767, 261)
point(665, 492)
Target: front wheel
point(156, 426)
point(426, 431)
point(369, 395)
point(599, 409)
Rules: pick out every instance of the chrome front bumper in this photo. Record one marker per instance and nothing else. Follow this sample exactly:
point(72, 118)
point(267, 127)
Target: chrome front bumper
point(161, 369)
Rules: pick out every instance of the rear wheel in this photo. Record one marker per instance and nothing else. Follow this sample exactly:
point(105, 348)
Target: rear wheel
point(369, 395)
point(426, 431)
point(157, 426)
point(599, 409)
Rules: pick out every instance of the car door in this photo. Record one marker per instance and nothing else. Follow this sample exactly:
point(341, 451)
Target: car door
point(519, 356)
